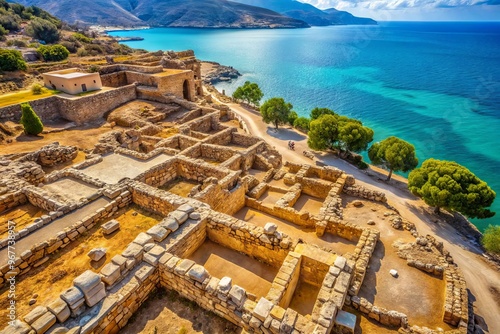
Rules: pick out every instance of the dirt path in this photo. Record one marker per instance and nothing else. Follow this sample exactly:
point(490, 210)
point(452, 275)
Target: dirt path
point(481, 278)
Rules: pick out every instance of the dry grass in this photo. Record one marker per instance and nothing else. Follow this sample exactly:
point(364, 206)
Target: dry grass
point(24, 96)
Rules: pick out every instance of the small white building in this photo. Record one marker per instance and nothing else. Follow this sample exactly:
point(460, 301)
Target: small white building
point(72, 81)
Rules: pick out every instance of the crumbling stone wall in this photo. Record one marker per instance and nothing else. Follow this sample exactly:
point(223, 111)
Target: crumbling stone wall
point(47, 109)
point(52, 154)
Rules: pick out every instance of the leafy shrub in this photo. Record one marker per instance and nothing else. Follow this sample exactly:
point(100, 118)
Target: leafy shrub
point(36, 89)
point(72, 47)
point(93, 69)
point(43, 30)
point(17, 42)
point(30, 120)
point(3, 31)
point(491, 239)
point(55, 52)
point(9, 21)
point(302, 123)
point(11, 60)
point(94, 49)
point(82, 38)
point(292, 117)
point(81, 52)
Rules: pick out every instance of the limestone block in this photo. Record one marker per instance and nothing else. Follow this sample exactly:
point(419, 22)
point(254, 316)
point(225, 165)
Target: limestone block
point(224, 285)
point(42, 324)
point(394, 273)
point(17, 327)
point(158, 233)
point(164, 259)
point(183, 267)
point(157, 251)
point(185, 208)
point(237, 295)
point(96, 254)
point(133, 250)
point(179, 216)
point(212, 285)
point(36, 313)
point(195, 215)
point(143, 239)
point(262, 309)
point(288, 322)
point(340, 262)
point(99, 295)
point(255, 323)
point(198, 273)
point(58, 330)
point(110, 273)
point(119, 261)
point(270, 228)
point(73, 296)
point(144, 272)
point(110, 227)
point(60, 309)
point(170, 224)
point(86, 281)
point(334, 271)
point(328, 310)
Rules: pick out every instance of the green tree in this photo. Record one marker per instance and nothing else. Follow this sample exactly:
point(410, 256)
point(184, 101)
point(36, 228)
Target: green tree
point(491, 239)
point(302, 123)
point(276, 111)
point(11, 60)
point(292, 117)
point(353, 136)
point(395, 154)
point(318, 112)
point(55, 52)
point(43, 30)
point(250, 93)
point(323, 132)
point(30, 120)
point(446, 184)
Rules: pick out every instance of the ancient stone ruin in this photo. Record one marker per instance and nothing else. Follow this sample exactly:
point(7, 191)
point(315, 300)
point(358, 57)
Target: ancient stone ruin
point(152, 199)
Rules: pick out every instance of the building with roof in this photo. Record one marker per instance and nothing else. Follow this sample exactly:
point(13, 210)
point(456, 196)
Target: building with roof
point(72, 81)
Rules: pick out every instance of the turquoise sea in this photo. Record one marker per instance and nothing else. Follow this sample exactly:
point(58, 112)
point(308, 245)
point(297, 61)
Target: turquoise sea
point(436, 85)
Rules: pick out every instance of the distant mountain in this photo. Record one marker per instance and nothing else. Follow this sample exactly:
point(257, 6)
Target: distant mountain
point(167, 13)
point(309, 13)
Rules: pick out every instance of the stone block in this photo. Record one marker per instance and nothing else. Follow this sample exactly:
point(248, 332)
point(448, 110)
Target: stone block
point(183, 267)
point(237, 294)
point(119, 261)
point(96, 254)
point(179, 216)
point(143, 239)
point(110, 227)
point(36, 313)
point(42, 324)
point(86, 281)
point(170, 224)
point(262, 309)
point(17, 327)
point(110, 273)
point(224, 285)
point(144, 271)
point(164, 258)
point(73, 296)
point(198, 273)
point(340, 262)
point(195, 216)
point(185, 208)
point(270, 228)
point(277, 312)
point(133, 250)
point(158, 233)
point(288, 322)
point(60, 309)
point(99, 295)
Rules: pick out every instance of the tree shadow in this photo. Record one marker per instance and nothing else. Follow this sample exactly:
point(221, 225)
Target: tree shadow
point(284, 134)
point(27, 138)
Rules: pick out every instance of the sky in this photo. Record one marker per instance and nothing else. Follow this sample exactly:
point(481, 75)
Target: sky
point(417, 10)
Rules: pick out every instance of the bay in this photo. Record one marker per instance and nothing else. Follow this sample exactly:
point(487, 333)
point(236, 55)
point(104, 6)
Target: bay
point(434, 84)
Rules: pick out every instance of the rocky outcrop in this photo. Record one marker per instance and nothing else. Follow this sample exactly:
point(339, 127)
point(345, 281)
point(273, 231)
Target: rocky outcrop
point(220, 73)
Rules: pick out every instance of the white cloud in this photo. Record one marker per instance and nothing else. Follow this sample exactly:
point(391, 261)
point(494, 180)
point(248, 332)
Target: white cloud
point(397, 4)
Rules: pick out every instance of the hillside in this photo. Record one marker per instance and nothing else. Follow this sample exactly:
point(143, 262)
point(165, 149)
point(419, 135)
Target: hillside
point(167, 13)
point(309, 13)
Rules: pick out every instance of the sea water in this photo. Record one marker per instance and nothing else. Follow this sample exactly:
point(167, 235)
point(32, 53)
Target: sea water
point(436, 85)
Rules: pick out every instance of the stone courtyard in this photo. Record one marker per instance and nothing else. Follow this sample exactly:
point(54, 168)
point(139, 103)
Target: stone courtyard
point(177, 195)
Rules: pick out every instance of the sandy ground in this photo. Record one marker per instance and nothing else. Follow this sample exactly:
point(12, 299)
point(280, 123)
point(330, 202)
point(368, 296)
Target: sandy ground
point(57, 274)
point(166, 312)
point(481, 277)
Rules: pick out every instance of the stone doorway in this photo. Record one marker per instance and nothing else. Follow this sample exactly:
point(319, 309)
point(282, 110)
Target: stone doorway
point(185, 90)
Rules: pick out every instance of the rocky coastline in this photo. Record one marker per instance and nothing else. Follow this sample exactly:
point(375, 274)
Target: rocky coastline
point(217, 73)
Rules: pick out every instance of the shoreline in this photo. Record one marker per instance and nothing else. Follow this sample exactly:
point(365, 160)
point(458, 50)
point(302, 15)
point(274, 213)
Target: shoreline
point(458, 221)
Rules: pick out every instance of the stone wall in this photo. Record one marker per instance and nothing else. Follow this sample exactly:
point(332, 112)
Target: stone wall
point(38, 254)
point(52, 154)
point(379, 314)
point(362, 192)
point(47, 109)
point(116, 79)
point(456, 311)
point(248, 239)
point(94, 106)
